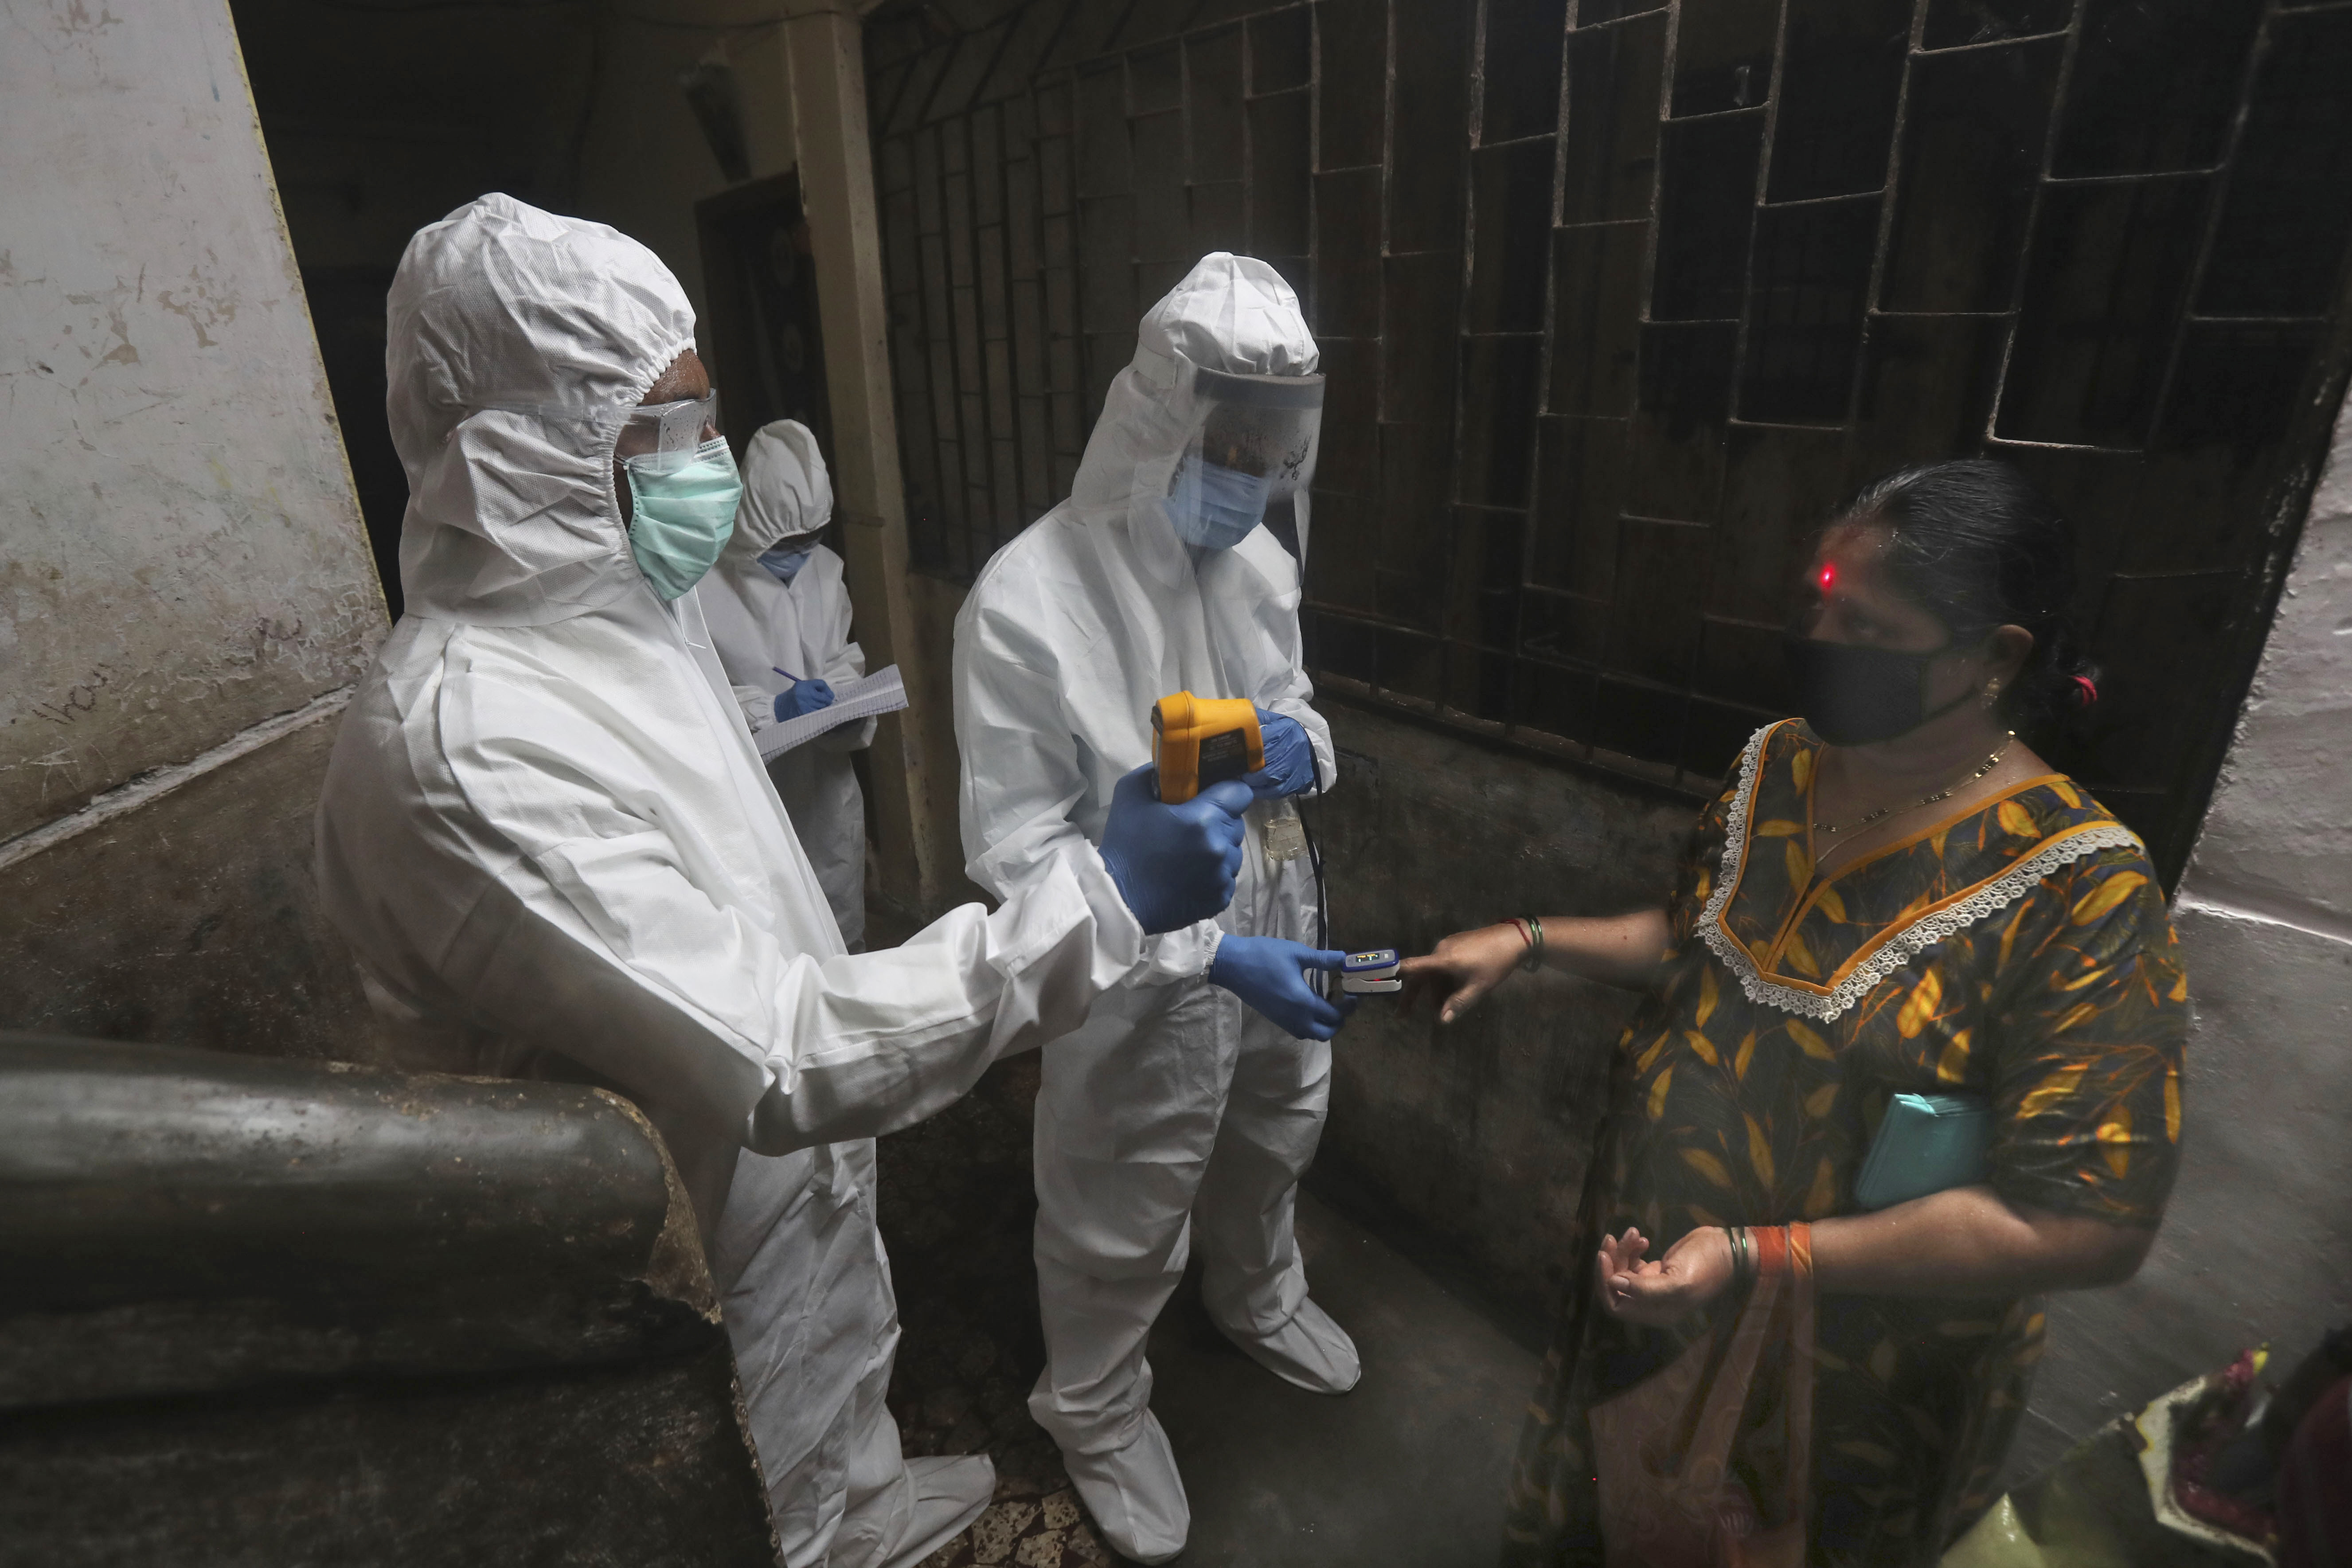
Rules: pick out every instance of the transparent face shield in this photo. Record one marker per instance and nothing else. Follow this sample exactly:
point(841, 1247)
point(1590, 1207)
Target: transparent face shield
point(1253, 452)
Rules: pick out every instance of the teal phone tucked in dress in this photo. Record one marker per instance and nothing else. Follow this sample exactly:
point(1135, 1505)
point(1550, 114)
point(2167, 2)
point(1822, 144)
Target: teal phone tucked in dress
point(1925, 1143)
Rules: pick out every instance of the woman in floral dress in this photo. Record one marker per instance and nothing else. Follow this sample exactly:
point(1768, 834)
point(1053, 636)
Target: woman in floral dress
point(1893, 895)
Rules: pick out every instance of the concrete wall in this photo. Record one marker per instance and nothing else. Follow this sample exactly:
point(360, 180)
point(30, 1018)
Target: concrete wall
point(1476, 1136)
point(184, 593)
point(2258, 1244)
point(183, 910)
point(182, 546)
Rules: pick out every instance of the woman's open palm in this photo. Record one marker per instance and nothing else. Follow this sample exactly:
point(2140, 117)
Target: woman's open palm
point(1656, 1291)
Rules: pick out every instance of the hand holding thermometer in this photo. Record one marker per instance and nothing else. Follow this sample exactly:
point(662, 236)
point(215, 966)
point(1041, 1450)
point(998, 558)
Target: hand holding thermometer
point(1372, 974)
point(1200, 741)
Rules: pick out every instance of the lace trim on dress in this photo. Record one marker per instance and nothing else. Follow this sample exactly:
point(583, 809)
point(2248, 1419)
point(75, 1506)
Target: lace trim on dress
point(1896, 951)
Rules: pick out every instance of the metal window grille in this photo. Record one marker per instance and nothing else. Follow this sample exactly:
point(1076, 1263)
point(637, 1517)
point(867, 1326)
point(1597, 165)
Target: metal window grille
point(1618, 299)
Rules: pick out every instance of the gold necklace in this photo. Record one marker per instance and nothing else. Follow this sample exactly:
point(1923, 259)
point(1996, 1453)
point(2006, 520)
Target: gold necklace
point(1987, 766)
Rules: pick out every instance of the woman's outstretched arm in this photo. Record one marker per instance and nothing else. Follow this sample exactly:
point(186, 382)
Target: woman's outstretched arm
point(1617, 949)
point(1966, 1242)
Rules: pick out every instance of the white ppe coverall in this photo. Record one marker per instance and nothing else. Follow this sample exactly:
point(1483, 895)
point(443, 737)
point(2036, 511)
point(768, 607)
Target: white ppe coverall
point(544, 832)
point(759, 625)
point(1175, 1099)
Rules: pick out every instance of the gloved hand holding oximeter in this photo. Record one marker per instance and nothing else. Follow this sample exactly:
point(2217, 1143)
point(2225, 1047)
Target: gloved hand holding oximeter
point(1270, 974)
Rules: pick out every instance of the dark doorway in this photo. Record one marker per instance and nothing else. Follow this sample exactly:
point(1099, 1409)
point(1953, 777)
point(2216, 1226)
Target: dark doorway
point(347, 312)
point(767, 349)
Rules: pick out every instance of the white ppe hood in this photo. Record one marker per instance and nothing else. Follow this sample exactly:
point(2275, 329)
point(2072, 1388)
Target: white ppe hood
point(787, 491)
point(1231, 315)
point(517, 340)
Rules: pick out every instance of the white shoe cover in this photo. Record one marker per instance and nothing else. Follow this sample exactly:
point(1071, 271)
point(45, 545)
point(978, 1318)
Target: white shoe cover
point(950, 1493)
point(1310, 1350)
point(1134, 1495)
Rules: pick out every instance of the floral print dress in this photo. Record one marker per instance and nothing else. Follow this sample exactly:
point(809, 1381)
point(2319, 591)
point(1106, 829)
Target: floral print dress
point(2019, 951)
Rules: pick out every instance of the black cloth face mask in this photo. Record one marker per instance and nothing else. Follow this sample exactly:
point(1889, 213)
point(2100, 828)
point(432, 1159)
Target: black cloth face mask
point(1852, 695)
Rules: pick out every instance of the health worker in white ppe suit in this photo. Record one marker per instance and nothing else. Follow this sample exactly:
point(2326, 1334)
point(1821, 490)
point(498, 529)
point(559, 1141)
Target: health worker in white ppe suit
point(1175, 1101)
point(547, 838)
point(778, 617)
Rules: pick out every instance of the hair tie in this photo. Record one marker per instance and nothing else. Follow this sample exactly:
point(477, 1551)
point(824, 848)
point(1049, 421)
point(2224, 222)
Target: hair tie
point(2086, 691)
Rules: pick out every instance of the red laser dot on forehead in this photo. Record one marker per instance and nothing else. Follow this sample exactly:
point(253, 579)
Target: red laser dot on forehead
point(1829, 576)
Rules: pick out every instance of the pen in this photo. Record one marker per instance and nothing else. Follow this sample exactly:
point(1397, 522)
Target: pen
point(787, 673)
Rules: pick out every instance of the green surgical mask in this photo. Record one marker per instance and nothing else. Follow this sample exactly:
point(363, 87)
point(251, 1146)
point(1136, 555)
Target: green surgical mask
point(684, 511)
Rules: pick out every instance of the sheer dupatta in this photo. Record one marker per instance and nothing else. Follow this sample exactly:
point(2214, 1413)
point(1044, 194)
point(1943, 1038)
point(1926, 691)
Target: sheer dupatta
point(1679, 1474)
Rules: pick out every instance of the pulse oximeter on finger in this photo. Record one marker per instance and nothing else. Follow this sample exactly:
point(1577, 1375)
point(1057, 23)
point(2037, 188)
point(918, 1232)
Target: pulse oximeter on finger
point(1372, 974)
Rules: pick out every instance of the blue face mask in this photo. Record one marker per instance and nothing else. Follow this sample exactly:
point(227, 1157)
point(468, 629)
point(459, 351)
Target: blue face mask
point(684, 513)
point(783, 563)
point(1214, 507)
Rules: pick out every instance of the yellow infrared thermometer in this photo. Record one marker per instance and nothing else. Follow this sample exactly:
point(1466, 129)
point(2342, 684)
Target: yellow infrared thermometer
point(1197, 742)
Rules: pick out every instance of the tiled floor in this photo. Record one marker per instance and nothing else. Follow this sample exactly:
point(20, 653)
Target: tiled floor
point(1407, 1470)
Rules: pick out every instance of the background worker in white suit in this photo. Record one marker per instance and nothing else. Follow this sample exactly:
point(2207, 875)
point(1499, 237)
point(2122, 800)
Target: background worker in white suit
point(776, 603)
point(547, 837)
point(1175, 1102)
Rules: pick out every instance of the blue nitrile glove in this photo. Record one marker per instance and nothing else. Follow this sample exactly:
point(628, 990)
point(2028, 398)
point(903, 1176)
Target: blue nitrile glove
point(1270, 974)
point(1289, 757)
point(1174, 864)
point(803, 697)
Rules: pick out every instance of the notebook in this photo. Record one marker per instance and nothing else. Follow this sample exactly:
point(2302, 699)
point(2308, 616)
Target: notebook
point(881, 692)
point(1927, 1143)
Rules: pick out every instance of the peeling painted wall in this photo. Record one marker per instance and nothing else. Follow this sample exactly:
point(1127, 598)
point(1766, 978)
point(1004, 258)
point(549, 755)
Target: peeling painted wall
point(2258, 1242)
point(184, 588)
point(179, 554)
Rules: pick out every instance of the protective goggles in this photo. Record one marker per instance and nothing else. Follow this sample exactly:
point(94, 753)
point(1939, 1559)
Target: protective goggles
point(659, 435)
point(1264, 426)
